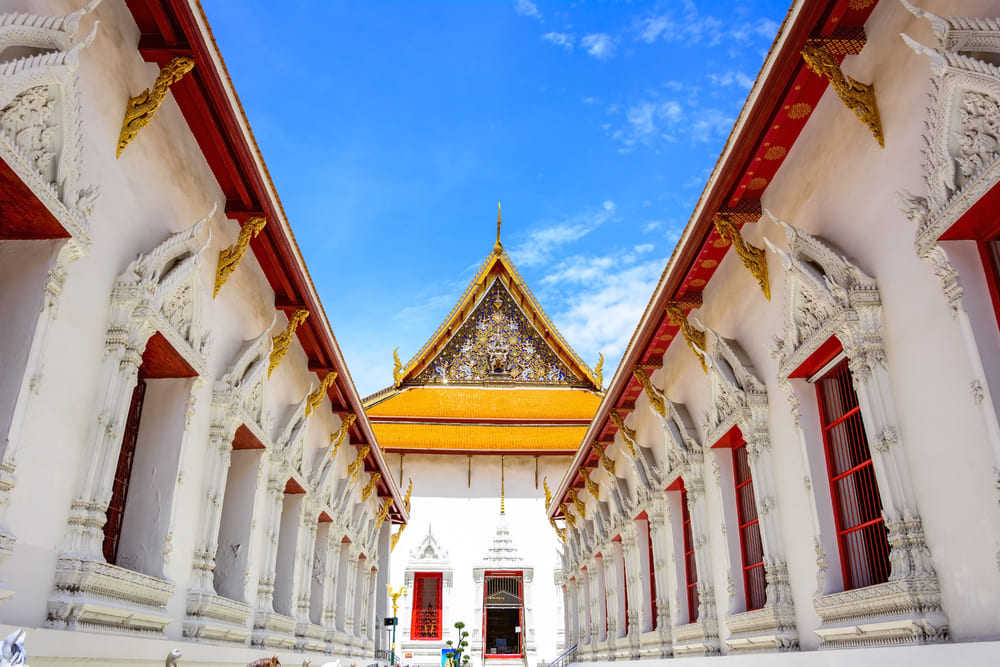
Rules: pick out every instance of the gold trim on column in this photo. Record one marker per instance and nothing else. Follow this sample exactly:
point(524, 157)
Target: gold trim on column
point(284, 340)
point(856, 96)
point(231, 256)
point(628, 434)
point(316, 398)
point(754, 258)
point(606, 462)
point(694, 337)
point(139, 110)
point(370, 486)
point(652, 394)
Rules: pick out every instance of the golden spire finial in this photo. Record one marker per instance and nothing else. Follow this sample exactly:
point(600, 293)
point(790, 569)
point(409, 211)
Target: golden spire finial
point(498, 248)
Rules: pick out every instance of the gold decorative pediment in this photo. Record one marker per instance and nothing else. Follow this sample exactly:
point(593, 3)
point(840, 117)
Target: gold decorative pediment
point(497, 344)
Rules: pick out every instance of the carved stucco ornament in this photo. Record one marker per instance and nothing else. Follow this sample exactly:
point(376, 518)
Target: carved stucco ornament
point(41, 128)
point(231, 256)
point(856, 96)
point(754, 258)
point(284, 340)
point(139, 110)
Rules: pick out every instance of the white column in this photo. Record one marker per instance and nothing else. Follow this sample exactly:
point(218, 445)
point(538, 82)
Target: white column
point(659, 535)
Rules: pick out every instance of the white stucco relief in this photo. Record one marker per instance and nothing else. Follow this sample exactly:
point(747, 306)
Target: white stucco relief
point(157, 292)
point(825, 296)
point(961, 164)
point(739, 398)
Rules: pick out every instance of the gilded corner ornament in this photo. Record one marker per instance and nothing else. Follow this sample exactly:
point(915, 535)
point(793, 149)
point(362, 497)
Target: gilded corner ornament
point(628, 433)
point(581, 508)
point(406, 503)
point(754, 258)
point(856, 96)
point(592, 486)
point(284, 340)
point(316, 398)
point(370, 486)
point(548, 493)
point(397, 368)
point(337, 438)
point(653, 395)
point(570, 519)
point(383, 512)
point(139, 110)
point(231, 256)
point(358, 463)
point(599, 372)
point(695, 337)
point(607, 462)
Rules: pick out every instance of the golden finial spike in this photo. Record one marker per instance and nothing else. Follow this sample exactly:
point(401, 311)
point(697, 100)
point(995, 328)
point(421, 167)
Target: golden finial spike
point(498, 248)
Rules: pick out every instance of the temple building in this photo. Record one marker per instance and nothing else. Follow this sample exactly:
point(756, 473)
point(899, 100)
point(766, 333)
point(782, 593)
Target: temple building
point(493, 405)
point(185, 463)
point(800, 452)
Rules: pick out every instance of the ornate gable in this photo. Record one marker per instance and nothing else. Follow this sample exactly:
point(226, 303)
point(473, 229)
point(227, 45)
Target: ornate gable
point(497, 343)
point(498, 334)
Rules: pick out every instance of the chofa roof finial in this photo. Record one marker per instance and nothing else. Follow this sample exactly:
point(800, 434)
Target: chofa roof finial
point(498, 248)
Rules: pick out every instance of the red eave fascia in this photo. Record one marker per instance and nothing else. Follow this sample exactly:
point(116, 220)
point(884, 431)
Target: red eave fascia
point(781, 81)
point(209, 103)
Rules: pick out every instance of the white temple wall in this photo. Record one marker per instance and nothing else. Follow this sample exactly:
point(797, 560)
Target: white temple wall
point(838, 184)
point(464, 521)
point(160, 185)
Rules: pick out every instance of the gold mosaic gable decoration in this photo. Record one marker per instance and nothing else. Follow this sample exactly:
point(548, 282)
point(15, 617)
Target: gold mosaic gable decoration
point(497, 344)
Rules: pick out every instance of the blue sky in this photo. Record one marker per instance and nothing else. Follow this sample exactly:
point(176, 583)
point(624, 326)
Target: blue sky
point(392, 129)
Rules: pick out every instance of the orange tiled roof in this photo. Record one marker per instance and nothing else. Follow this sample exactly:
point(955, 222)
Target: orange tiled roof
point(475, 437)
point(488, 403)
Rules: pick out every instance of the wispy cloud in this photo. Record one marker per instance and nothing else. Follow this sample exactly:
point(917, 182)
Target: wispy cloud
point(562, 39)
point(599, 44)
point(690, 27)
point(544, 241)
point(527, 8)
point(601, 318)
point(732, 78)
point(649, 121)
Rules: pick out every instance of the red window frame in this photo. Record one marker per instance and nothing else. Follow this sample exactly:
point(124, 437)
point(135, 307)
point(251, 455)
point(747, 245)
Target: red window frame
point(652, 576)
point(425, 623)
point(123, 472)
point(857, 506)
point(690, 565)
point(751, 545)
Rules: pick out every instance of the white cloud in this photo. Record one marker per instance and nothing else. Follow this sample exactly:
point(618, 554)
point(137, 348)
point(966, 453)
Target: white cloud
point(732, 78)
point(599, 44)
point(643, 248)
point(649, 121)
point(652, 225)
point(601, 318)
point(543, 242)
point(527, 8)
point(562, 39)
point(691, 28)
